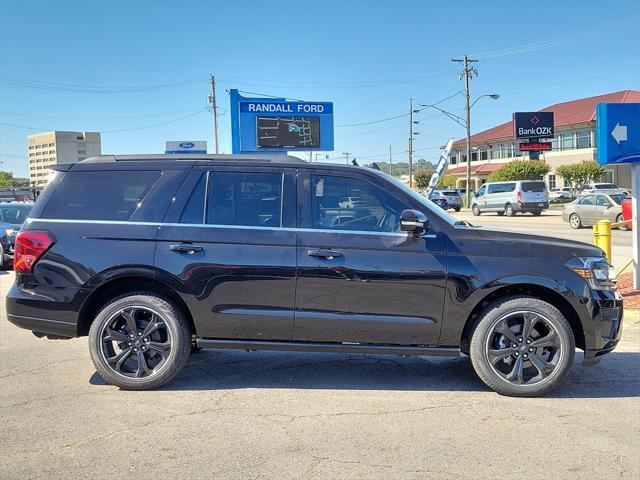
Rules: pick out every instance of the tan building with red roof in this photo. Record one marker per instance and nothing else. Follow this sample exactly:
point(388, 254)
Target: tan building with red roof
point(574, 142)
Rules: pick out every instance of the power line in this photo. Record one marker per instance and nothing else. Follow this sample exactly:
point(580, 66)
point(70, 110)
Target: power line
point(117, 117)
point(70, 87)
point(26, 127)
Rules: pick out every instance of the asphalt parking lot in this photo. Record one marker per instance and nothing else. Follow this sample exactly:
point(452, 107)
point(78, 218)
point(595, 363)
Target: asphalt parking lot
point(240, 415)
point(550, 224)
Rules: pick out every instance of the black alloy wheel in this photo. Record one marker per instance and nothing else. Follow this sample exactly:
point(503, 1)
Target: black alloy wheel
point(139, 341)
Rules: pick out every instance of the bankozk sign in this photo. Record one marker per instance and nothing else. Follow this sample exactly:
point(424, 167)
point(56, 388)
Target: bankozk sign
point(533, 125)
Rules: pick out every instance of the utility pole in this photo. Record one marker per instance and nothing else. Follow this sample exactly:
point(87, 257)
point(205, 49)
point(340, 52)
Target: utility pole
point(411, 143)
point(346, 154)
point(390, 162)
point(467, 73)
point(214, 107)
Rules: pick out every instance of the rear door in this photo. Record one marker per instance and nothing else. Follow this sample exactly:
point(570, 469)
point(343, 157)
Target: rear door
point(586, 209)
point(535, 192)
point(228, 247)
point(360, 279)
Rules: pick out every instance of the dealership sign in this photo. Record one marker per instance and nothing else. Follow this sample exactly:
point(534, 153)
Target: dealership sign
point(185, 146)
point(533, 125)
point(270, 125)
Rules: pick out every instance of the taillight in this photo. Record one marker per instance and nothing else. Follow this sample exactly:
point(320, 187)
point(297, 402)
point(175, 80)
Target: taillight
point(519, 197)
point(29, 247)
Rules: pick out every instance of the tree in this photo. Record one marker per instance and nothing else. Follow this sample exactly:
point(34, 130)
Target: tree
point(520, 170)
point(6, 179)
point(422, 179)
point(446, 181)
point(580, 174)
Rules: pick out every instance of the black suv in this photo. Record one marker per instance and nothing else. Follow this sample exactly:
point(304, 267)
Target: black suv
point(151, 256)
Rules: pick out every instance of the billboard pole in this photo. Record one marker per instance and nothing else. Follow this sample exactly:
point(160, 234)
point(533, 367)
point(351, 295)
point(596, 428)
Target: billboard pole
point(214, 107)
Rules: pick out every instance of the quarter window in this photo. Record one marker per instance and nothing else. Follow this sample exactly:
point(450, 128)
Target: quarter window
point(247, 199)
point(340, 203)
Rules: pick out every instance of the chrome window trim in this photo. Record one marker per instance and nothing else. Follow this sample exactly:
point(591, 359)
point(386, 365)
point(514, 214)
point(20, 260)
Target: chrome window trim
point(200, 225)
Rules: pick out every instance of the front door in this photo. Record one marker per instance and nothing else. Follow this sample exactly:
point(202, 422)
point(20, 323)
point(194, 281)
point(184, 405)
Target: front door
point(225, 247)
point(360, 279)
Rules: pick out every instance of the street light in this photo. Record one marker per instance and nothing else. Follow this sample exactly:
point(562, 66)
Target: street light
point(467, 124)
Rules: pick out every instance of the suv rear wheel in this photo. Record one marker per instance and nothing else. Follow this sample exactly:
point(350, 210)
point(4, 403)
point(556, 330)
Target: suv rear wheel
point(522, 346)
point(139, 341)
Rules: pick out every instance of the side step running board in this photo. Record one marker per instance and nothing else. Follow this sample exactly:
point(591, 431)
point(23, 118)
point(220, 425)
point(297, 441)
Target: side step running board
point(329, 347)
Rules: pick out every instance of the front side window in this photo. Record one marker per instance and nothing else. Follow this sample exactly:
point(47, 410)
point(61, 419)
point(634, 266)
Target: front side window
point(246, 199)
point(340, 203)
point(482, 190)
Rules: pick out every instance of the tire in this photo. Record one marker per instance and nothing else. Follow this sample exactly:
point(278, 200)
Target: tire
point(457, 209)
point(546, 326)
point(2, 263)
point(500, 213)
point(169, 338)
point(622, 228)
point(537, 213)
point(508, 210)
point(476, 210)
point(574, 221)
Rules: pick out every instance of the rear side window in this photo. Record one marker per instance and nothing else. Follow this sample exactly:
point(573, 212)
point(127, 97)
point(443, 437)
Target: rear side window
point(533, 186)
point(502, 187)
point(101, 195)
point(246, 199)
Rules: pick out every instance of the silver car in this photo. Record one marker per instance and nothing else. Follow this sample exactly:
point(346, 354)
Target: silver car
point(590, 208)
point(453, 198)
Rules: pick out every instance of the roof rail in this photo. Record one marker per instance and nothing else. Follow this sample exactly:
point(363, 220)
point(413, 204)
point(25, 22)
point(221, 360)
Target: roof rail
point(195, 157)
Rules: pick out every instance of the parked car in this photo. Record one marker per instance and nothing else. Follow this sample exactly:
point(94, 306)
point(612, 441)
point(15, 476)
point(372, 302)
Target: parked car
point(626, 213)
point(439, 199)
point(149, 255)
point(509, 198)
point(561, 193)
point(603, 188)
point(453, 198)
point(590, 208)
point(12, 216)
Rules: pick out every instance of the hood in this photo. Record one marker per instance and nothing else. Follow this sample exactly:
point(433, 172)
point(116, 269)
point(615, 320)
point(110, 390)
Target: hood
point(501, 243)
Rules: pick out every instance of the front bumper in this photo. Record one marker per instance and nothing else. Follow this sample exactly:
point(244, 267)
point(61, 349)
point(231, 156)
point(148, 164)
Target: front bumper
point(603, 324)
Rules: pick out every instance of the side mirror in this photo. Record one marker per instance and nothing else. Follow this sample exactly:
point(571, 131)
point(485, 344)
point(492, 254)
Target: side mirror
point(413, 221)
point(475, 194)
point(607, 205)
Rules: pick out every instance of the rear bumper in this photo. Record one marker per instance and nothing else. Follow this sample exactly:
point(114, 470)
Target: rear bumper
point(51, 310)
point(530, 206)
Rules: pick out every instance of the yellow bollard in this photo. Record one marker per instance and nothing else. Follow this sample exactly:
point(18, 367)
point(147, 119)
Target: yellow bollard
point(604, 237)
point(595, 235)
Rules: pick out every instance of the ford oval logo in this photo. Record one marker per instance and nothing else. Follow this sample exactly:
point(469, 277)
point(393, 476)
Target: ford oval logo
point(186, 145)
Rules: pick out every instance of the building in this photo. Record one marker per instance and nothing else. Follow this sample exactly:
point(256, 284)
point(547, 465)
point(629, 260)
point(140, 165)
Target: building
point(48, 148)
point(574, 142)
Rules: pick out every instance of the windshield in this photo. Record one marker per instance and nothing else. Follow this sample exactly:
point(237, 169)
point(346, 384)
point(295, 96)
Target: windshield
point(433, 208)
point(14, 214)
point(618, 197)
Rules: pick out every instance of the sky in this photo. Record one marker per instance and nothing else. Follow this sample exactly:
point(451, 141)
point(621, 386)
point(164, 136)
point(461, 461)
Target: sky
point(137, 71)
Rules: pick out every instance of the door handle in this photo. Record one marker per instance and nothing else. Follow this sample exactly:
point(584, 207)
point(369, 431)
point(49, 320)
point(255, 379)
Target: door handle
point(185, 248)
point(324, 253)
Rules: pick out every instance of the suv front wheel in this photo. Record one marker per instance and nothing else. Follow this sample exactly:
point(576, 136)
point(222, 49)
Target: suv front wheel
point(522, 346)
point(139, 341)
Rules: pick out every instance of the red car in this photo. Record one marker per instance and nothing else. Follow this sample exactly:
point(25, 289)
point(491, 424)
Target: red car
point(626, 211)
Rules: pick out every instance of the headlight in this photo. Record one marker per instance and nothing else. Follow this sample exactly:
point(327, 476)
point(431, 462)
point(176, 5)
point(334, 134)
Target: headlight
point(596, 270)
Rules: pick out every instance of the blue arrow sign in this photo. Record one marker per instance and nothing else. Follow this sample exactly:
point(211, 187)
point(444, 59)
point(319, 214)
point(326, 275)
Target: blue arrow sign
point(618, 132)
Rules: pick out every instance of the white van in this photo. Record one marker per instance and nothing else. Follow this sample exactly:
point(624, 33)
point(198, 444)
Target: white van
point(511, 197)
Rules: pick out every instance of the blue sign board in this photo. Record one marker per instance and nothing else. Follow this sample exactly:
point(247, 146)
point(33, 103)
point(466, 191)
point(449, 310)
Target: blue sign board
point(618, 132)
point(270, 125)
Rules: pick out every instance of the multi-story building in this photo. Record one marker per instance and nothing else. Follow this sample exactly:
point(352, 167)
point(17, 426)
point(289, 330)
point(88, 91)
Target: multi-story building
point(574, 142)
point(48, 148)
